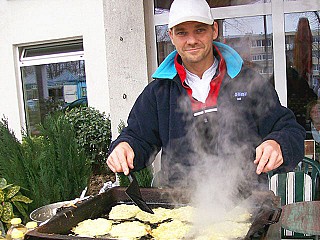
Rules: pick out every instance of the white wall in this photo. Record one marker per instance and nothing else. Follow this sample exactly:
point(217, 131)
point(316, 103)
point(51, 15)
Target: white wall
point(33, 21)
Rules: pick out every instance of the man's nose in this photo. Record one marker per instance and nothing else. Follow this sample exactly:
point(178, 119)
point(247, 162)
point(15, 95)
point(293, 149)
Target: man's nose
point(191, 39)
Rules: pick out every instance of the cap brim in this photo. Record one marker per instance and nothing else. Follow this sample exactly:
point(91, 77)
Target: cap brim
point(190, 19)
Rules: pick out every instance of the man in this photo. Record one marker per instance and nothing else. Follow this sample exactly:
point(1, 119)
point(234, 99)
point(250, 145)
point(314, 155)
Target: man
point(205, 102)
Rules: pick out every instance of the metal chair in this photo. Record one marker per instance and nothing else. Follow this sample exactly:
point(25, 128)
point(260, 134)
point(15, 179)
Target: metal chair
point(302, 184)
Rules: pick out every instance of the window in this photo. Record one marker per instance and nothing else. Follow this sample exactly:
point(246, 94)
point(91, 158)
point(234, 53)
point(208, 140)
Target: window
point(301, 29)
point(262, 43)
point(261, 57)
point(239, 33)
point(256, 58)
point(165, 4)
point(53, 76)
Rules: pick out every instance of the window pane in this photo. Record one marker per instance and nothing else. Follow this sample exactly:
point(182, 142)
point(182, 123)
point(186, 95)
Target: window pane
point(50, 87)
point(164, 45)
point(165, 4)
point(303, 57)
point(251, 37)
point(54, 48)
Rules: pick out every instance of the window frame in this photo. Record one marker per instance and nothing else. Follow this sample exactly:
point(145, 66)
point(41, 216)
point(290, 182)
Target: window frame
point(49, 58)
point(41, 60)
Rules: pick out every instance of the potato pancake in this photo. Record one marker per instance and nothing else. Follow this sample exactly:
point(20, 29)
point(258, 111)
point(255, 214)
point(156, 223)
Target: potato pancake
point(224, 230)
point(160, 214)
point(92, 228)
point(123, 211)
point(129, 230)
point(173, 230)
point(184, 214)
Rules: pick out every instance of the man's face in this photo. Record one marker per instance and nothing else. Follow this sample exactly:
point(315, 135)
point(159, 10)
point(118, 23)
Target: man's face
point(193, 41)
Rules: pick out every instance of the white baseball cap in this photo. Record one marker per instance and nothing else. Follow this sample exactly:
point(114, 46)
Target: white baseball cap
point(189, 10)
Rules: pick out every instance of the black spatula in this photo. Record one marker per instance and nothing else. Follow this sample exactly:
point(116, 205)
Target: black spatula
point(133, 192)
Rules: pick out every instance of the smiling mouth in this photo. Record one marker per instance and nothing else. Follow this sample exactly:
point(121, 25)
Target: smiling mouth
point(193, 50)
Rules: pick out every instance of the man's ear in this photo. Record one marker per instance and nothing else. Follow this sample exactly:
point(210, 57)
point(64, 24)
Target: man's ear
point(170, 35)
point(215, 30)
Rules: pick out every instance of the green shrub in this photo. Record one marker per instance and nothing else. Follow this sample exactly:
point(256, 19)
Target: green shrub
point(93, 134)
point(11, 156)
point(12, 202)
point(50, 165)
point(61, 164)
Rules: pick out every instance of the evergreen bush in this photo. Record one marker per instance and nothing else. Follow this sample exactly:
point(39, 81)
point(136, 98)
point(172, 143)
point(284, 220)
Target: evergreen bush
point(51, 165)
point(11, 156)
point(61, 164)
point(93, 134)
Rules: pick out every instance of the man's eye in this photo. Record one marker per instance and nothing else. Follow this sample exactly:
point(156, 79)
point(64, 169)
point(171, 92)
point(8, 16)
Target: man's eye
point(181, 33)
point(200, 30)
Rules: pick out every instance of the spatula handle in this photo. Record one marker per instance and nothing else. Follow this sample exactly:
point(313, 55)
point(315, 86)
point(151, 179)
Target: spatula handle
point(131, 177)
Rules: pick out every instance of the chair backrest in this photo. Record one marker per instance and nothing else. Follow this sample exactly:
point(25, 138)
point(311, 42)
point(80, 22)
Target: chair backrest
point(312, 168)
point(302, 184)
point(292, 187)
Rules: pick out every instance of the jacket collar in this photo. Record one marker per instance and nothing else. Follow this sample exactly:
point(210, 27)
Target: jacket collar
point(233, 61)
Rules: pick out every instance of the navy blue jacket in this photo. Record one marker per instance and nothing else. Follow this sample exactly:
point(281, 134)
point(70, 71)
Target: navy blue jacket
point(248, 113)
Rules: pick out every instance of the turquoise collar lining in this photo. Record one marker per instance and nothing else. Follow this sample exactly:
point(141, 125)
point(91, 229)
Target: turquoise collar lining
point(233, 61)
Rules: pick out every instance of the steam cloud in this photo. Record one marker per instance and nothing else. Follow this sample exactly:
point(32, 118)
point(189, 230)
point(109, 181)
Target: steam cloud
point(217, 185)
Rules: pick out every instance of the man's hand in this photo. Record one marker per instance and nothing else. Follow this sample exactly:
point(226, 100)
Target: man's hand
point(121, 158)
point(268, 156)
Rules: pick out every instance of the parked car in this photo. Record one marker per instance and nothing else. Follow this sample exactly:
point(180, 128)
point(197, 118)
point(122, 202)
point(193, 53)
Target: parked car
point(77, 103)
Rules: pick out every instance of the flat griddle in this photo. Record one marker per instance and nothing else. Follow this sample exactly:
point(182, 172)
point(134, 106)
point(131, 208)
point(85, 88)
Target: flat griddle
point(60, 225)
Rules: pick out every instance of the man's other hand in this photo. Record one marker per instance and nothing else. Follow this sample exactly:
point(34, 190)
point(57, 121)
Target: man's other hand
point(268, 156)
